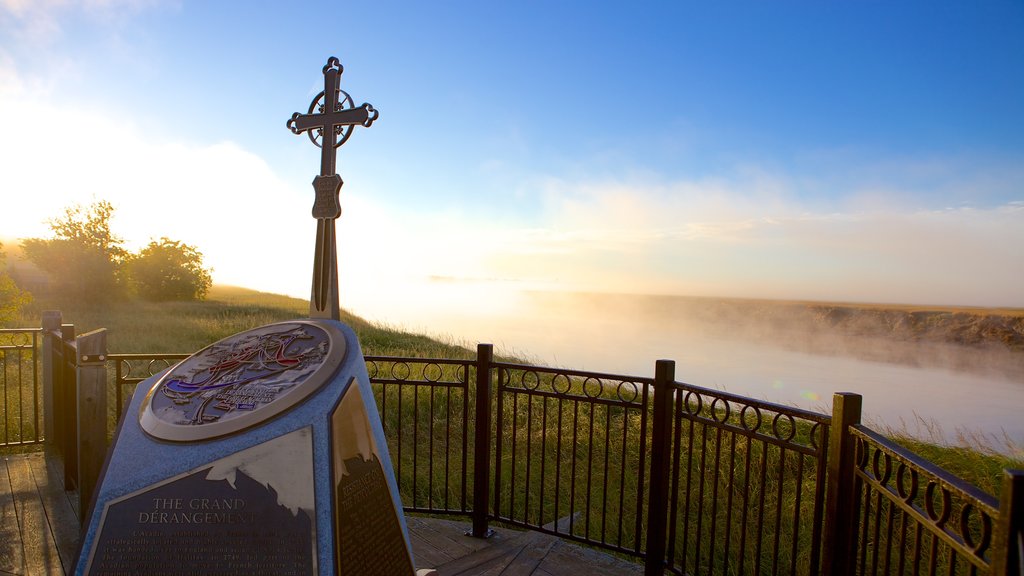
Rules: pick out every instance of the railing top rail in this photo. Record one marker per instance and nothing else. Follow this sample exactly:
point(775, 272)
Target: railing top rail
point(18, 339)
point(760, 404)
point(399, 359)
point(162, 356)
point(988, 502)
point(580, 373)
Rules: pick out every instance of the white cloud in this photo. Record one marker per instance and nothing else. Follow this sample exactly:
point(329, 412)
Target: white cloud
point(745, 239)
point(32, 21)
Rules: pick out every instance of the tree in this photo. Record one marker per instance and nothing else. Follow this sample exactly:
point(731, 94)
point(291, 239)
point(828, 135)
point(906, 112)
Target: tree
point(168, 270)
point(84, 258)
point(12, 298)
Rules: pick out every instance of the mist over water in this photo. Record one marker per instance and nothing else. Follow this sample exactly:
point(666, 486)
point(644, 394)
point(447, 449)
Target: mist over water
point(924, 389)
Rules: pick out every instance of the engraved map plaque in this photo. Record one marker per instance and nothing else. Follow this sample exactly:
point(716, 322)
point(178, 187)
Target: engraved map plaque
point(251, 513)
point(370, 538)
point(242, 380)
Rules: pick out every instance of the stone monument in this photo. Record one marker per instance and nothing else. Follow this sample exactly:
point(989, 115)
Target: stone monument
point(262, 454)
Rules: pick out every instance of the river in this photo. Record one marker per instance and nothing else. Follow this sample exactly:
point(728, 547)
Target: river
point(951, 394)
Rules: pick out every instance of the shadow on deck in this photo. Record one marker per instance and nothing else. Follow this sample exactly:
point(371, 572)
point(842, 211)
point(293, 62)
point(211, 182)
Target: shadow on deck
point(39, 535)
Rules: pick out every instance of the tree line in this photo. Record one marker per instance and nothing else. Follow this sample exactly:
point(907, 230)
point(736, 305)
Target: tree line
point(86, 262)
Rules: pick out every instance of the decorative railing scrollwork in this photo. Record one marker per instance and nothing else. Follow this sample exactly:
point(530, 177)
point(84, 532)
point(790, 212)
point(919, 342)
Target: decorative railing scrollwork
point(572, 384)
point(131, 369)
point(916, 517)
point(784, 426)
point(18, 339)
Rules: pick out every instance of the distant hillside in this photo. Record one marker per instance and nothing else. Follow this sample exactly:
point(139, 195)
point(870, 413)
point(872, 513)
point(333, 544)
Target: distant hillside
point(980, 340)
point(978, 327)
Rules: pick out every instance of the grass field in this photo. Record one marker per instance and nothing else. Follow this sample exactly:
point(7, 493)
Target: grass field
point(138, 326)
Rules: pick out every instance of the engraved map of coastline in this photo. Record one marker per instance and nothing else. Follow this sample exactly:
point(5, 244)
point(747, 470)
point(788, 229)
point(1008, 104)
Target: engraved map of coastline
point(240, 374)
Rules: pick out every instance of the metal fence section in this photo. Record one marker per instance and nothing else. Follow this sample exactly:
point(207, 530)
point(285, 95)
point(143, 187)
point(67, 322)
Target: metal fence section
point(747, 488)
point(570, 452)
point(21, 418)
point(916, 518)
point(131, 369)
point(426, 412)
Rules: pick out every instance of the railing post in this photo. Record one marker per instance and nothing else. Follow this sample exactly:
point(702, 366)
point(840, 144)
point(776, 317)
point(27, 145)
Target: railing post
point(51, 322)
point(69, 408)
point(482, 441)
point(661, 444)
point(841, 512)
point(1008, 539)
point(92, 411)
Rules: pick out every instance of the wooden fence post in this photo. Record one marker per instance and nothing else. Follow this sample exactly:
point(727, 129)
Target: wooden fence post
point(1008, 539)
point(661, 458)
point(841, 512)
point(51, 322)
point(482, 441)
point(68, 413)
point(92, 411)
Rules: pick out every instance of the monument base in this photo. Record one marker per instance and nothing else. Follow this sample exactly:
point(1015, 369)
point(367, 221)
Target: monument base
point(261, 454)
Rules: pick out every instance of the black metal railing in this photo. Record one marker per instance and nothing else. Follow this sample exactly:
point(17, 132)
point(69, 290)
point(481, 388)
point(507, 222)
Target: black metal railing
point(21, 400)
point(916, 518)
point(748, 481)
point(570, 449)
point(131, 369)
point(424, 406)
point(688, 479)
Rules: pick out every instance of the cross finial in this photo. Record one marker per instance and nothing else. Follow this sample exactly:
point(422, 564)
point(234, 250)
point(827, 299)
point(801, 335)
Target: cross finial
point(328, 124)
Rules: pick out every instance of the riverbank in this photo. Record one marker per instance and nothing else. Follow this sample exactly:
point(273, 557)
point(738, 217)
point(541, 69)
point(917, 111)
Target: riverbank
point(972, 339)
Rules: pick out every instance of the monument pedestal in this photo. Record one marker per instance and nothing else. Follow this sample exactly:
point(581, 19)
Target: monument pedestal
point(261, 454)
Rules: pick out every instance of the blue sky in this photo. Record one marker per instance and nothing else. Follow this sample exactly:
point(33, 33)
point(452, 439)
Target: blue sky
point(834, 151)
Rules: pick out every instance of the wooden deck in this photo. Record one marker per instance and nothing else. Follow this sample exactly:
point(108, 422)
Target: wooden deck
point(39, 532)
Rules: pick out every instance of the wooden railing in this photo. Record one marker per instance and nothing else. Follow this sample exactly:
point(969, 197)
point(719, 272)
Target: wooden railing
point(689, 480)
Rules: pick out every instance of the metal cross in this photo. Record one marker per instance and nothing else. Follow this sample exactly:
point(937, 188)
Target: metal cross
point(328, 124)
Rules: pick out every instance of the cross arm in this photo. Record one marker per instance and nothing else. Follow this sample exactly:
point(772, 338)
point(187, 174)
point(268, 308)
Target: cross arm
point(363, 115)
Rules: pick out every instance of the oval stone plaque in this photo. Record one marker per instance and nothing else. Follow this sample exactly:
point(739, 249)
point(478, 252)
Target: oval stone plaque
point(242, 380)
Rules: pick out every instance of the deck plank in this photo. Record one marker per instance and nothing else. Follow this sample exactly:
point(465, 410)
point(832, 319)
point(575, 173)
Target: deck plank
point(12, 553)
point(41, 555)
point(494, 559)
point(429, 547)
point(438, 541)
point(61, 517)
point(530, 557)
point(566, 559)
point(55, 473)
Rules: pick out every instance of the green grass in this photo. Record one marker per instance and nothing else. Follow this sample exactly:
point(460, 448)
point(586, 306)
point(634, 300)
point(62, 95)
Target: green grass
point(974, 457)
point(138, 326)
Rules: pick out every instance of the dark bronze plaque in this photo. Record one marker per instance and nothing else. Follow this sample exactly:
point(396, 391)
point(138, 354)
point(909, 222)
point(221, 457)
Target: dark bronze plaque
point(370, 537)
point(248, 514)
point(327, 189)
point(368, 529)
